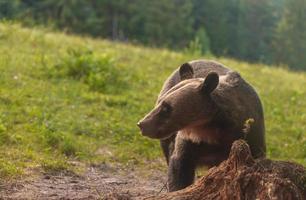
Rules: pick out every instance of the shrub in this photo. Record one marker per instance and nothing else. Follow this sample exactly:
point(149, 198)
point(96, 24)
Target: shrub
point(69, 145)
point(98, 71)
point(52, 139)
point(200, 45)
point(61, 141)
point(4, 137)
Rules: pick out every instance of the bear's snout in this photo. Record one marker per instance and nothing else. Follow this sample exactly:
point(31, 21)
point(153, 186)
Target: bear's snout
point(142, 128)
point(146, 129)
point(139, 124)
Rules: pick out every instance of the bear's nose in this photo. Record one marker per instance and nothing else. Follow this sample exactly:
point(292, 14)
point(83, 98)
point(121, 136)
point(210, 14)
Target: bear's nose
point(139, 124)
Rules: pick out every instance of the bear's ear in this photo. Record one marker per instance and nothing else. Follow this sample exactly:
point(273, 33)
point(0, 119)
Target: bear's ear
point(210, 83)
point(186, 71)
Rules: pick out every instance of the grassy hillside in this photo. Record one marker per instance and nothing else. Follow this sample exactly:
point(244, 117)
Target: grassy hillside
point(66, 98)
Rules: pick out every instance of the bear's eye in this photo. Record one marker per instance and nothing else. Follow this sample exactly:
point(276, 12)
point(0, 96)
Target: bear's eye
point(165, 109)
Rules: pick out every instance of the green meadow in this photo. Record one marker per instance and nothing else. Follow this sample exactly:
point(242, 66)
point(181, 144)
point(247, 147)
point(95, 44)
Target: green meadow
point(69, 98)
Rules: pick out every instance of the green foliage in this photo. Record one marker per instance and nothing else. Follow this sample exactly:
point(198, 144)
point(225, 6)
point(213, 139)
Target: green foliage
point(8, 168)
point(290, 40)
point(200, 45)
point(50, 117)
point(203, 40)
point(195, 47)
point(54, 165)
point(98, 71)
point(8, 9)
point(257, 31)
point(220, 20)
point(4, 137)
point(63, 142)
point(69, 145)
point(159, 23)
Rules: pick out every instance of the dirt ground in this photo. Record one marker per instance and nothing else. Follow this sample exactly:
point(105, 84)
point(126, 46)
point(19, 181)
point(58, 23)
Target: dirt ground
point(98, 182)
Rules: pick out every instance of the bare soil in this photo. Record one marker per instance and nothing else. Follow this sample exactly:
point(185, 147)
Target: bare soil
point(239, 177)
point(98, 182)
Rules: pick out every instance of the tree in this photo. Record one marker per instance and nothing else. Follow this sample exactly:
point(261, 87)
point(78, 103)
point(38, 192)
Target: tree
point(255, 28)
point(290, 40)
point(220, 20)
point(245, 29)
point(9, 9)
point(168, 22)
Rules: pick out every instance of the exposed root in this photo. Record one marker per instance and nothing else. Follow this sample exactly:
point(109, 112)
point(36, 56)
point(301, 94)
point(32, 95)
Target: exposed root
point(241, 177)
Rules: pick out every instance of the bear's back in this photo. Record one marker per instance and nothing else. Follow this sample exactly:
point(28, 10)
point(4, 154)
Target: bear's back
point(201, 69)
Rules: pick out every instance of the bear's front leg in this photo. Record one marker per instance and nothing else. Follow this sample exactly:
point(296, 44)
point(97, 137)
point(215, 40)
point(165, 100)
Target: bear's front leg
point(182, 165)
point(167, 146)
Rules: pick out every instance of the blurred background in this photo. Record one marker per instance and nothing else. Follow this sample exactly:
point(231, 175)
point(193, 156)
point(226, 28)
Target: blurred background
point(267, 31)
point(77, 75)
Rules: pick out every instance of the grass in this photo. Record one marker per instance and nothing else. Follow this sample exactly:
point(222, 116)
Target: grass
point(66, 97)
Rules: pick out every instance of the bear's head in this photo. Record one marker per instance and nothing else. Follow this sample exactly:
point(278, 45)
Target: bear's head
point(187, 104)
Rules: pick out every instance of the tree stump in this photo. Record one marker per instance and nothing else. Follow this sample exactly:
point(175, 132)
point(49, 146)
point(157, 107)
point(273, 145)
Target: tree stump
point(241, 177)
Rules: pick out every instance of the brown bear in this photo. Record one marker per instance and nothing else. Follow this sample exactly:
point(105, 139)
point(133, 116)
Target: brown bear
point(202, 108)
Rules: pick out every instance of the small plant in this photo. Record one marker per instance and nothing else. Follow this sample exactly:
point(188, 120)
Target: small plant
point(53, 166)
point(247, 126)
point(200, 44)
point(8, 168)
point(194, 47)
point(61, 141)
point(52, 139)
point(98, 71)
point(69, 145)
point(4, 137)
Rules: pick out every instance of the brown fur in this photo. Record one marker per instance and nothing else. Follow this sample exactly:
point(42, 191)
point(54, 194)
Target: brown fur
point(201, 109)
point(198, 134)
